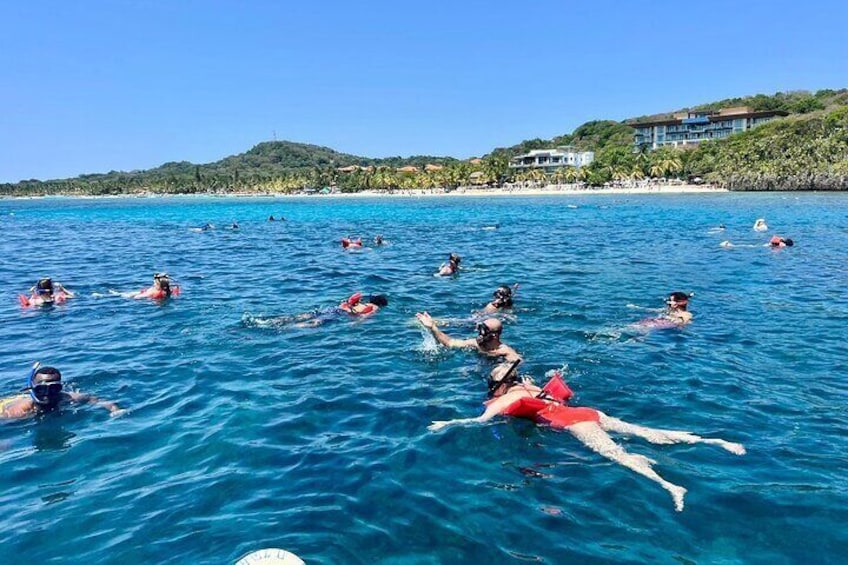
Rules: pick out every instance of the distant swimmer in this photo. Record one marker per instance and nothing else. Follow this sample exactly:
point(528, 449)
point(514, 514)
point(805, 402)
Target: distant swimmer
point(760, 225)
point(44, 394)
point(488, 341)
point(777, 241)
point(271, 219)
point(203, 228)
point(357, 306)
point(491, 227)
point(451, 267)
point(234, 225)
point(510, 395)
point(161, 289)
point(501, 299)
point(677, 304)
point(378, 240)
point(676, 313)
point(45, 293)
point(350, 243)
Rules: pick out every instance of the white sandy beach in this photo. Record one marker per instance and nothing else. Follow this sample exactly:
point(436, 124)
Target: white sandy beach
point(550, 189)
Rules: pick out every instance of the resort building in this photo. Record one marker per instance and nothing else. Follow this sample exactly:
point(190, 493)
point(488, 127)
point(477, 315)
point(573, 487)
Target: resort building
point(552, 159)
point(687, 129)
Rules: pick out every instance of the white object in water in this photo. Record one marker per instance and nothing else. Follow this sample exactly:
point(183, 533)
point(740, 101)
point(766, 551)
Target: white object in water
point(760, 225)
point(270, 556)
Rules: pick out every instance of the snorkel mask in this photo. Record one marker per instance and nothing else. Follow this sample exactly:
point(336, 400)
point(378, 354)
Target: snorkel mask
point(44, 287)
point(45, 394)
point(510, 377)
point(502, 296)
point(485, 334)
point(678, 299)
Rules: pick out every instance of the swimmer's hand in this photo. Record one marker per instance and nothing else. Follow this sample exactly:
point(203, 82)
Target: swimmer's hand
point(426, 320)
point(439, 424)
point(117, 412)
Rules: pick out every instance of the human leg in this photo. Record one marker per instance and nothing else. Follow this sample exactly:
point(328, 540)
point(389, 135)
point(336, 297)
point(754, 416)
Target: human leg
point(598, 440)
point(664, 436)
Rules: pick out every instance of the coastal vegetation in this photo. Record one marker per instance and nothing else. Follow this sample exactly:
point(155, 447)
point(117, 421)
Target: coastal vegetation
point(807, 150)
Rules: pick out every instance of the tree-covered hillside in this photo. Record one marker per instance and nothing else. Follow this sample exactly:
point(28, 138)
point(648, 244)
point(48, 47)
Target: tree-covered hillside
point(807, 150)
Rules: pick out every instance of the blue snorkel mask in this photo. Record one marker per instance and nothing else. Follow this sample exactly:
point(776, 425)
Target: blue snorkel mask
point(44, 394)
point(44, 287)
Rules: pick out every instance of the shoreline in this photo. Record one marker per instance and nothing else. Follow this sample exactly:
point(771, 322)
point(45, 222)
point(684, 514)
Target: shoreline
point(549, 190)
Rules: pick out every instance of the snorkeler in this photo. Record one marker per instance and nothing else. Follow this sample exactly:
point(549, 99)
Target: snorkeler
point(45, 293)
point(44, 394)
point(777, 241)
point(451, 267)
point(501, 299)
point(488, 341)
point(510, 395)
point(378, 240)
point(675, 314)
point(160, 290)
point(349, 243)
point(677, 304)
point(356, 306)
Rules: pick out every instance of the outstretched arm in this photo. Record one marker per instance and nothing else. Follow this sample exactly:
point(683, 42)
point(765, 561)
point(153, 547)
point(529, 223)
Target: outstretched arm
point(443, 338)
point(114, 409)
point(493, 409)
point(67, 292)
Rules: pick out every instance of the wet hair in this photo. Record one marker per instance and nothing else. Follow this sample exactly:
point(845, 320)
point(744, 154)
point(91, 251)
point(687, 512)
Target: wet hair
point(788, 242)
point(378, 300)
point(680, 297)
point(454, 258)
point(46, 371)
point(164, 282)
point(44, 286)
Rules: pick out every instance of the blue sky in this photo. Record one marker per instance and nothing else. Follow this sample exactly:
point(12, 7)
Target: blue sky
point(93, 86)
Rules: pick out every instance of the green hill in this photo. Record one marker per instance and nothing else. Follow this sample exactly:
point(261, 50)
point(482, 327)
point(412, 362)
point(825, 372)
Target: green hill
point(807, 150)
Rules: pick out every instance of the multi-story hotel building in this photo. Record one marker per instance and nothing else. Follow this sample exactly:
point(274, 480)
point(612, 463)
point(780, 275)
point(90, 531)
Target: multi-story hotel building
point(693, 127)
point(552, 159)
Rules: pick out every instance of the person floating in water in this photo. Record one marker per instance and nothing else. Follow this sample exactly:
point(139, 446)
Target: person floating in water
point(760, 225)
point(675, 315)
point(160, 290)
point(357, 306)
point(378, 240)
point(777, 241)
point(234, 225)
point(451, 267)
point(44, 394)
point(501, 299)
point(45, 293)
point(677, 304)
point(488, 341)
point(511, 395)
point(271, 218)
point(350, 243)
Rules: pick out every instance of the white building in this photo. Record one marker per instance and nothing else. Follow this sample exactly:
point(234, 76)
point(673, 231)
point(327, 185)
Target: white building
point(552, 159)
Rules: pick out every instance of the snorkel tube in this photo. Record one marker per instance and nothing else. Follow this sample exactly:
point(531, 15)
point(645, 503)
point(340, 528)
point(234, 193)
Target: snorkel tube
point(30, 387)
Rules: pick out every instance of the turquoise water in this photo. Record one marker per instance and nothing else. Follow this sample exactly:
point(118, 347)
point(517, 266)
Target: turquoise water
point(315, 440)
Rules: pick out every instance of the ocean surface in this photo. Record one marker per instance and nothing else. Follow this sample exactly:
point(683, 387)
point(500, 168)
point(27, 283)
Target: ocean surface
point(244, 432)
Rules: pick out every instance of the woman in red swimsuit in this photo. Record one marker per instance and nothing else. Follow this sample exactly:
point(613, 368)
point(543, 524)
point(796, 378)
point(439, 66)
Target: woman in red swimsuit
point(511, 395)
